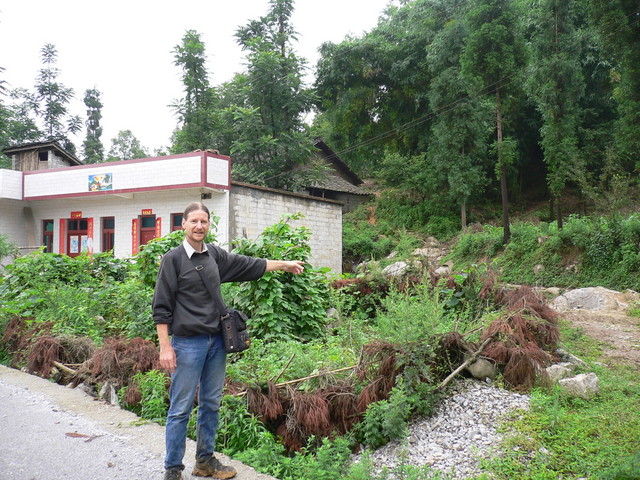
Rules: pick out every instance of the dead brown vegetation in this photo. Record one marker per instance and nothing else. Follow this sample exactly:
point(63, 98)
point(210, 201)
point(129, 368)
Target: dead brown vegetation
point(118, 360)
point(523, 337)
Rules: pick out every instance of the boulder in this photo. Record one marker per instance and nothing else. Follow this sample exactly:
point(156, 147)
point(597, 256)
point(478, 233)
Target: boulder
point(108, 394)
point(559, 371)
point(482, 369)
point(572, 359)
point(585, 385)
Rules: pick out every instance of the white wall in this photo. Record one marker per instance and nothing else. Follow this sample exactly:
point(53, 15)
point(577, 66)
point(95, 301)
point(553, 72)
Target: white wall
point(125, 209)
point(12, 221)
point(10, 184)
point(148, 174)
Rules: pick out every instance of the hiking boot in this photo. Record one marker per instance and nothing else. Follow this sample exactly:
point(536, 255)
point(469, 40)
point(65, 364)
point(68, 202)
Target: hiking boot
point(173, 474)
point(211, 467)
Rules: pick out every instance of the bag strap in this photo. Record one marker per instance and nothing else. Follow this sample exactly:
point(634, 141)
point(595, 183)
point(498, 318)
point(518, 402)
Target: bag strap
point(208, 283)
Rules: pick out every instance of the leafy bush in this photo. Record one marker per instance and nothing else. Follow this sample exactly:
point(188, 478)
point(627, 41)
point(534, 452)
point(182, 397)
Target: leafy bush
point(282, 305)
point(41, 271)
point(154, 396)
point(362, 241)
point(385, 420)
point(238, 429)
point(407, 317)
point(7, 249)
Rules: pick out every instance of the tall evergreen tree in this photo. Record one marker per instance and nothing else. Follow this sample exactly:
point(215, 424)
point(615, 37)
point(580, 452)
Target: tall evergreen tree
point(494, 54)
point(374, 91)
point(53, 101)
point(272, 140)
point(457, 147)
point(195, 120)
point(93, 149)
point(556, 85)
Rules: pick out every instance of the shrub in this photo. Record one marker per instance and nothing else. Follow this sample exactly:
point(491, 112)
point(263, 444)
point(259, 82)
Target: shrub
point(407, 317)
point(385, 420)
point(147, 396)
point(282, 305)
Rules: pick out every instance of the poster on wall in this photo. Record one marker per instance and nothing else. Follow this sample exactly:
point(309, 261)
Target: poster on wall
point(84, 243)
point(73, 247)
point(100, 182)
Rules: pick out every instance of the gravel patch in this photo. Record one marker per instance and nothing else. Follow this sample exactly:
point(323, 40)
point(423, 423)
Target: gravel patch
point(463, 430)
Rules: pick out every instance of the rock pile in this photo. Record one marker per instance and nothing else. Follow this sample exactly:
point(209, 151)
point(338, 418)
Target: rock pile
point(463, 431)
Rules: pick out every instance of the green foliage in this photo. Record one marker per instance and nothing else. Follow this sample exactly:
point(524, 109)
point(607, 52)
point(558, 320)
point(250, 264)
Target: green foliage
point(586, 252)
point(53, 100)
point(92, 147)
point(407, 317)
point(581, 437)
point(148, 260)
point(326, 462)
point(385, 420)
point(628, 468)
point(153, 388)
point(362, 241)
point(290, 359)
point(7, 249)
point(126, 146)
point(128, 309)
point(93, 295)
point(238, 429)
point(282, 305)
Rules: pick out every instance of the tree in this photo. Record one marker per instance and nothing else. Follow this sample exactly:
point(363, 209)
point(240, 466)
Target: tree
point(53, 99)
point(126, 147)
point(92, 146)
point(195, 128)
point(457, 148)
point(617, 24)
point(556, 85)
point(494, 54)
point(374, 91)
point(270, 102)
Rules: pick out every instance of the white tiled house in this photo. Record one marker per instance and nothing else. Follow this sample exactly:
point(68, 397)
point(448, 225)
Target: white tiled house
point(49, 198)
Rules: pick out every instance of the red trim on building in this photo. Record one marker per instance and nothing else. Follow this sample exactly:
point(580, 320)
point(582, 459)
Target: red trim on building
point(90, 235)
point(134, 236)
point(63, 236)
point(130, 190)
point(158, 227)
point(127, 162)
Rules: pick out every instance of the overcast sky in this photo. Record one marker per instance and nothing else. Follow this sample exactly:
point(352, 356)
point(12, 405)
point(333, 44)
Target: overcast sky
point(124, 49)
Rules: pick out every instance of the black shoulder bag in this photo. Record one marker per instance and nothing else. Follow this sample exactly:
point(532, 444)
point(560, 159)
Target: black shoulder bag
point(233, 323)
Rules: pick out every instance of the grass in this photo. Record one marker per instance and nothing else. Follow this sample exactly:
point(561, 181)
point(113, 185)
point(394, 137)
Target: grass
point(567, 438)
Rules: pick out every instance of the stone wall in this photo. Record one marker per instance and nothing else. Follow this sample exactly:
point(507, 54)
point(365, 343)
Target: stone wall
point(252, 209)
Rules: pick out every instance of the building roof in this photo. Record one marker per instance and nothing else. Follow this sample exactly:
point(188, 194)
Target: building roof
point(333, 157)
point(338, 184)
point(344, 180)
point(41, 146)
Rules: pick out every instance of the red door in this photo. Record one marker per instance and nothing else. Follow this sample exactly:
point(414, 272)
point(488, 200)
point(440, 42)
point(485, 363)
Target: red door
point(147, 228)
point(77, 236)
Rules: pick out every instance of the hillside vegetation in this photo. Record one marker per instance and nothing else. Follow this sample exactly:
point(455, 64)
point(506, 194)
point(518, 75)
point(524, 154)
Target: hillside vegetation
point(363, 356)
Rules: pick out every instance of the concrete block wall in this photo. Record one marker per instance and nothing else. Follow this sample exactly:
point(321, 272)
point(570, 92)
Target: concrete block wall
point(252, 209)
point(13, 225)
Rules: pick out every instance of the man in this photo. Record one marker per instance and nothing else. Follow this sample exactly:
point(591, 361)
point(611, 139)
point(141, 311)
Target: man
point(187, 320)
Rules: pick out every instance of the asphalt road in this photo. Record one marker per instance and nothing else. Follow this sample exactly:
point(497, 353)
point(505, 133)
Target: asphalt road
point(51, 432)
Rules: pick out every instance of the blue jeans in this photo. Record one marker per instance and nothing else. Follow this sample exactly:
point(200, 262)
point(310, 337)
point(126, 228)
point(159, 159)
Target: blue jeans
point(200, 359)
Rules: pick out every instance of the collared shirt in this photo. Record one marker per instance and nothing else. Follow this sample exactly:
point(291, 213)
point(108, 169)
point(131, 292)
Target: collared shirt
point(190, 250)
